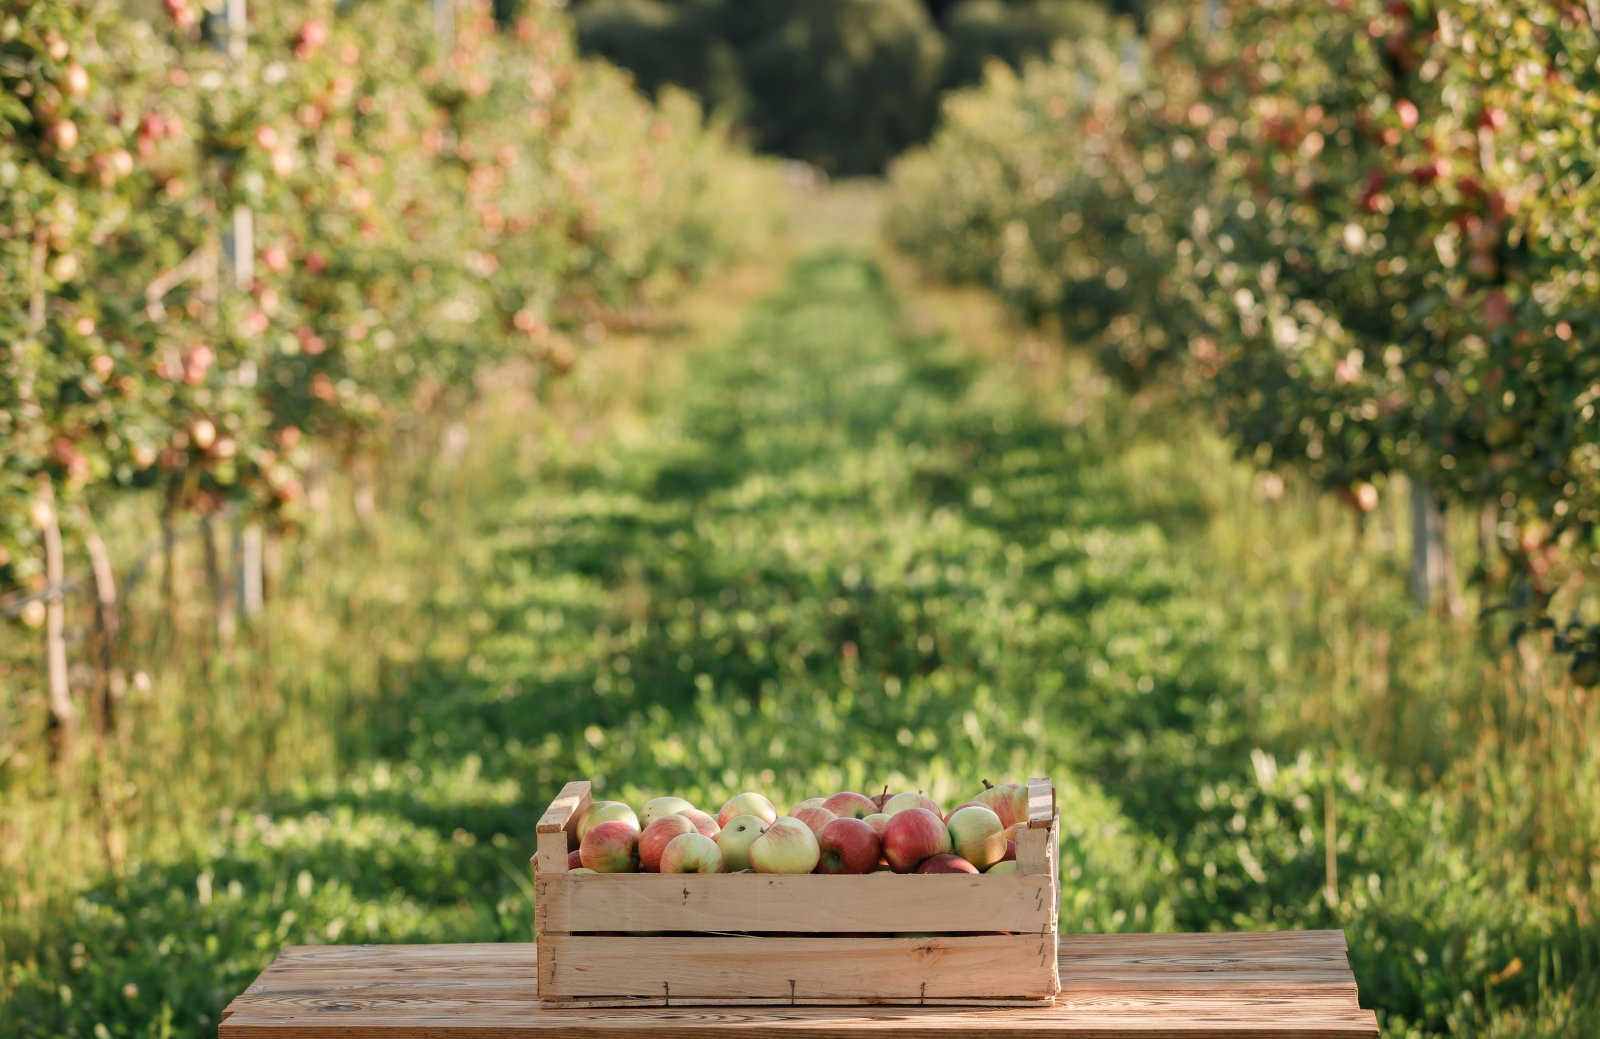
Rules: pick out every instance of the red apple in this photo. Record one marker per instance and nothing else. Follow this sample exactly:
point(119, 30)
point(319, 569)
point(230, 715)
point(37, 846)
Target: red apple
point(815, 817)
point(911, 836)
point(850, 805)
point(656, 807)
point(611, 847)
point(747, 803)
point(1009, 801)
point(573, 860)
point(848, 846)
point(691, 853)
point(882, 798)
point(947, 864)
point(702, 821)
point(656, 836)
point(604, 812)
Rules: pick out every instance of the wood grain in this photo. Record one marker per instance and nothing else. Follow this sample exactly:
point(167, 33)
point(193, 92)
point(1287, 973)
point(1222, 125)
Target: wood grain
point(797, 970)
point(874, 903)
point(1041, 803)
point(1277, 985)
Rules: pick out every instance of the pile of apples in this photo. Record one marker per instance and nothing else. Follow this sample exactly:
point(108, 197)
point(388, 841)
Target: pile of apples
point(845, 833)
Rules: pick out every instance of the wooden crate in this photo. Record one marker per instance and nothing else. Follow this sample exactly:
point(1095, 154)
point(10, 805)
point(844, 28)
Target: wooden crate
point(750, 939)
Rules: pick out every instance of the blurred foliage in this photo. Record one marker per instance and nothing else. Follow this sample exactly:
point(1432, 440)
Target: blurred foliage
point(1353, 233)
point(420, 212)
point(844, 550)
point(846, 84)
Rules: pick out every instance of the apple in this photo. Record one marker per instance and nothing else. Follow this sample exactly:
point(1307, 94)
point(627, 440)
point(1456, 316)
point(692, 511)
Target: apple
point(848, 846)
point(957, 808)
point(901, 802)
point(977, 835)
point(947, 864)
point(1008, 866)
point(691, 853)
point(735, 838)
point(657, 835)
point(849, 805)
point(911, 836)
point(882, 798)
point(611, 847)
point(815, 816)
point(747, 803)
point(574, 860)
point(788, 846)
point(810, 802)
point(605, 812)
point(1009, 801)
point(656, 807)
point(877, 820)
point(1011, 841)
point(702, 821)
point(582, 869)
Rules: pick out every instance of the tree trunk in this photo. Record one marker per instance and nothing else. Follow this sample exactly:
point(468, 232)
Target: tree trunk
point(63, 714)
point(107, 624)
point(221, 601)
point(1429, 556)
point(247, 561)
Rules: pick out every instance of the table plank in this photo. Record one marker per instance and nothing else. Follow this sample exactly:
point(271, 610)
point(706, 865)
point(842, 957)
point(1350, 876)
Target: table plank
point(1272, 985)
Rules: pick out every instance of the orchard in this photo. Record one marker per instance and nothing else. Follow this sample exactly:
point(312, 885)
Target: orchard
point(234, 255)
point(1358, 234)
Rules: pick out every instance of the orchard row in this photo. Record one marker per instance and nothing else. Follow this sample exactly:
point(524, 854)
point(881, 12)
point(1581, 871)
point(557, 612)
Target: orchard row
point(1361, 234)
point(844, 833)
point(220, 262)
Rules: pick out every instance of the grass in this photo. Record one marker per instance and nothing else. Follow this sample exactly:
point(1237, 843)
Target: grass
point(860, 539)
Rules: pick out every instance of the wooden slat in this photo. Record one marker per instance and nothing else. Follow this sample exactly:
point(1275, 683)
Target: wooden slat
point(798, 969)
point(467, 992)
point(567, 808)
point(1037, 850)
point(875, 902)
point(1041, 803)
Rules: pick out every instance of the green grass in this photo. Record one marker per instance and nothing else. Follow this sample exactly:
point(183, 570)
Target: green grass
point(836, 549)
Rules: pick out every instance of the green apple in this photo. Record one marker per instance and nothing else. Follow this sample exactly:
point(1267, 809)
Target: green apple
point(1003, 866)
point(977, 835)
point(788, 846)
point(747, 803)
point(900, 802)
point(1009, 801)
point(738, 833)
point(691, 853)
point(605, 812)
point(656, 807)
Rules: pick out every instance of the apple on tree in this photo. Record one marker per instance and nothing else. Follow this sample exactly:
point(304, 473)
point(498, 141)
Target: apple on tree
point(787, 846)
point(735, 839)
point(848, 846)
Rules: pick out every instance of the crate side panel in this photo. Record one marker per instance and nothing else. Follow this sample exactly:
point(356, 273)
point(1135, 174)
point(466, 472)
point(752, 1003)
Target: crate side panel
point(872, 903)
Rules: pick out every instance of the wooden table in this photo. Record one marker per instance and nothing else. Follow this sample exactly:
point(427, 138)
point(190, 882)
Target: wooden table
point(1195, 986)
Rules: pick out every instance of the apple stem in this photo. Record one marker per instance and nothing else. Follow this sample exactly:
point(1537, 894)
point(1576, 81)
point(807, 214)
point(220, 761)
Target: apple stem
point(988, 785)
